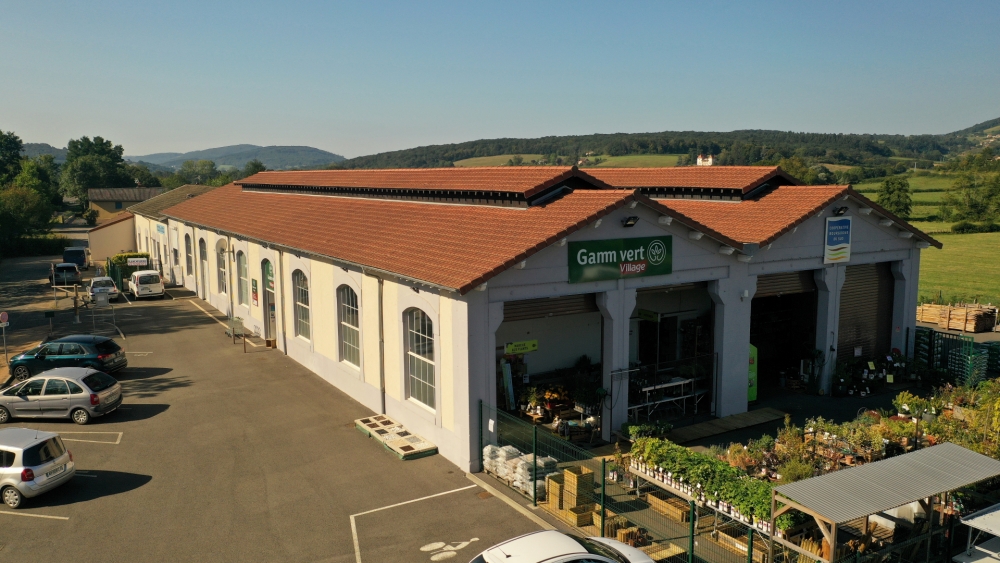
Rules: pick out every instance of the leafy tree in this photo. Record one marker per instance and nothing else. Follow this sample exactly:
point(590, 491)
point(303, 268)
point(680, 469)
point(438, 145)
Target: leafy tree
point(142, 176)
point(253, 167)
point(10, 156)
point(894, 195)
point(91, 164)
point(38, 174)
point(23, 211)
point(198, 171)
point(99, 146)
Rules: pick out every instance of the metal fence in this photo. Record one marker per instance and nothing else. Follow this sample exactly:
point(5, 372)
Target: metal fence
point(601, 496)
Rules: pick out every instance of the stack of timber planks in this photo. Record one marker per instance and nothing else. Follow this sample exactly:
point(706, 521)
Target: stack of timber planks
point(965, 317)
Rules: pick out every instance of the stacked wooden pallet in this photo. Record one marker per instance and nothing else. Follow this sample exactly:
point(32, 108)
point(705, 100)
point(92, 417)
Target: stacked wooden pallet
point(965, 317)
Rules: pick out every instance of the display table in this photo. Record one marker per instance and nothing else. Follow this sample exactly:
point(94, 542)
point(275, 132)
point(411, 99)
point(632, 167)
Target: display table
point(675, 392)
point(986, 551)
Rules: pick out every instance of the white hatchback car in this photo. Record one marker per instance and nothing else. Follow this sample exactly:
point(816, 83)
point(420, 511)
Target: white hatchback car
point(550, 546)
point(32, 462)
point(146, 283)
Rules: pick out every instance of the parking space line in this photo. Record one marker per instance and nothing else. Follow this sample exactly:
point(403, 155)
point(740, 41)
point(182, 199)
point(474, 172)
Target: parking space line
point(34, 515)
point(354, 526)
point(115, 443)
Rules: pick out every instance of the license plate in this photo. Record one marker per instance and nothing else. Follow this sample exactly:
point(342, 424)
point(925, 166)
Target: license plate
point(56, 471)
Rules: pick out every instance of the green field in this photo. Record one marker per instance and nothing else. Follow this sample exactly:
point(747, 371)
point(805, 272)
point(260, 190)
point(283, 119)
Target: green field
point(929, 183)
point(964, 270)
point(499, 160)
point(639, 161)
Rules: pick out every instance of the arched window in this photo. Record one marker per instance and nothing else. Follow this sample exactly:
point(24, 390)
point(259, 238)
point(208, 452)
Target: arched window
point(241, 272)
point(350, 325)
point(220, 262)
point(420, 381)
point(300, 287)
point(187, 254)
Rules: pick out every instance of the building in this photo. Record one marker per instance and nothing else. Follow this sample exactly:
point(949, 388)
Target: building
point(422, 293)
point(110, 201)
point(151, 233)
point(706, 160)
point(112, 237)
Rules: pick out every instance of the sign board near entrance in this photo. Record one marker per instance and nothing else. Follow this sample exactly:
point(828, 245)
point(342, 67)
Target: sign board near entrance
point(838, 240)
point(253, 291)
point(522, 347)
point(161, 229)
point(596, 260)
point(137, 261)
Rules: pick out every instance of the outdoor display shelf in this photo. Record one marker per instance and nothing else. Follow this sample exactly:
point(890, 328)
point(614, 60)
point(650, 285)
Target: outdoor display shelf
point(394, 437)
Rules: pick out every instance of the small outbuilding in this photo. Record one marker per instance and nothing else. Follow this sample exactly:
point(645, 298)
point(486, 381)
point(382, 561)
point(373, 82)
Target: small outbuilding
point(111, 201)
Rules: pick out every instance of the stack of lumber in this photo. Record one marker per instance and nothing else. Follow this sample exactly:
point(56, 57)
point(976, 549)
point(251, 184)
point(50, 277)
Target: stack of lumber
point(965, 317)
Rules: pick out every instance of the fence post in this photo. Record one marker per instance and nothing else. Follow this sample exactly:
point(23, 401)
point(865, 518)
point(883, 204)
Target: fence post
point(481, 468)
point(604, 487)
point(534, 465)
point(749, 545)
point(691, 516)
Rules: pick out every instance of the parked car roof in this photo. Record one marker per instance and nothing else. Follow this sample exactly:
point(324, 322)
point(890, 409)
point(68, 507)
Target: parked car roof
point(86, 338)
point(65, 265)
point(101, 278)
point(68, 373)
point(23, 437)
point(143, 272)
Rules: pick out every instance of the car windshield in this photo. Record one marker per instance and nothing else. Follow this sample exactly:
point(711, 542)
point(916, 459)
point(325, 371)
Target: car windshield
point(107, 347)
point(13, 390)
point(601, 549)
point(43, 453)
point(103, 283)
point(99, 381)
point(151, 278)
point(63, 269)
point(32, 352)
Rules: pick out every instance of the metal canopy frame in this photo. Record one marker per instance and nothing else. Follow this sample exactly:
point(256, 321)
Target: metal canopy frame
point(920, 470)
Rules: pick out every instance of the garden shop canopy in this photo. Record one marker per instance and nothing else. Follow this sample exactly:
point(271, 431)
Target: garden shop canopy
point(861, 491)
point(987, 520)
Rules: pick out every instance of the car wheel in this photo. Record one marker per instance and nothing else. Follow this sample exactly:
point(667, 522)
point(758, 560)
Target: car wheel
point(21, 373)
point(80, 416)
point(4, 415)
point(12, 497)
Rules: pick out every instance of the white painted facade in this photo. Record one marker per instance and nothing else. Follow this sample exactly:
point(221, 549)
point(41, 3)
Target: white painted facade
point(467, 328)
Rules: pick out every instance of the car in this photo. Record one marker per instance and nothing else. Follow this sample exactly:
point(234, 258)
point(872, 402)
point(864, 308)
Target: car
point(32, 462)
point(79, 350)
point(550, 546)
point(79, 394)
point(79, 255)
point(103, 284)
point(65, 273)
point(146, 283)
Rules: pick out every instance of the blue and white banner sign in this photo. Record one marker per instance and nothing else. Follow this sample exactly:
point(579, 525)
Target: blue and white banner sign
point(838, 240)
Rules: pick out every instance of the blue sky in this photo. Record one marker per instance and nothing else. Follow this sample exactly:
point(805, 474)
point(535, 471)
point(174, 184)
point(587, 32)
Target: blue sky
point(368, 77)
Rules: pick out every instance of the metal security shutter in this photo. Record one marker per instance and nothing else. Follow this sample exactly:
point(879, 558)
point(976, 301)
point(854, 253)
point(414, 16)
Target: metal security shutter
point(785, 283)
point(549, 307)
point(865, 311)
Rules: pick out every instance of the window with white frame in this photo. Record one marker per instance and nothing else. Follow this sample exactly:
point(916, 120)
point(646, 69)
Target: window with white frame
point(220, 259)
point(420, 382)
point(244, 283)
point(350, 325)
point(300, 287)
point(187, 255)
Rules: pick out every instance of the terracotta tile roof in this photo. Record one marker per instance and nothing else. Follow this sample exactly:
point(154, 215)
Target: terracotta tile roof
point(123, 216)
point(452, 246)
point(526, 180)
point(734, 177)
point(762, 220)
point(153, 207)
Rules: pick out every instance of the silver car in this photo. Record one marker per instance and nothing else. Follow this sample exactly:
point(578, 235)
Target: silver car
point(103, 284)
point(31, 463)
point(76, 393)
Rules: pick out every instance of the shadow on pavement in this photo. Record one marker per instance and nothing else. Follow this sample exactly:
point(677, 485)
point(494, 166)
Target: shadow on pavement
point(131, 412)
point(82, 489)
point(151, 387)
point(133, 374)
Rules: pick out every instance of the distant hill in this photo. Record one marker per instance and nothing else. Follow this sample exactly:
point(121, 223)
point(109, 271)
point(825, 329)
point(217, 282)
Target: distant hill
point(733, 147)
point(274, 157)
point(31, 150)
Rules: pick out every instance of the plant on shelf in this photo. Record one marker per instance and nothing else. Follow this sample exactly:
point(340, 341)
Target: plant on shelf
point(632, 431)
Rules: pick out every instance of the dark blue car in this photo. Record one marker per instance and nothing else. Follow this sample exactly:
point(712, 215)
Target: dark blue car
point(81, 350)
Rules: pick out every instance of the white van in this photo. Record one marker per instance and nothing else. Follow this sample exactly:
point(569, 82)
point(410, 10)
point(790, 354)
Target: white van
point(146, 283)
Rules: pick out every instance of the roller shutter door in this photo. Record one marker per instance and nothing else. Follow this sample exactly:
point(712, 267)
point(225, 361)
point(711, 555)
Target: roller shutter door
point(549, 307)
point(865, 311)
point(785, 283)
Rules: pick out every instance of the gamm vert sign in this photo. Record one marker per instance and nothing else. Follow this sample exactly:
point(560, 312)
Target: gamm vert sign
point(595, 260)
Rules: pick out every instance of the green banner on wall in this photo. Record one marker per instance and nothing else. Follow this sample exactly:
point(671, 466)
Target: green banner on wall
point(595, 260)
point(752, 376)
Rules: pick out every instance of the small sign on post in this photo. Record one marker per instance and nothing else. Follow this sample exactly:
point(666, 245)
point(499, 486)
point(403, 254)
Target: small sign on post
point(137, 261)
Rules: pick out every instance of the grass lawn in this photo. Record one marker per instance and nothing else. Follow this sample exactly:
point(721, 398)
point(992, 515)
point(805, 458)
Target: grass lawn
point(498, 160)
point(639, 161)
point(932, 227)
point(929, 183)
point(965, 269)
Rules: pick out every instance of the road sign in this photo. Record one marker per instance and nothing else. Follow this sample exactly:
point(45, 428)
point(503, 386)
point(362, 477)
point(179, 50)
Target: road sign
point(3, 317)
point(4, 325)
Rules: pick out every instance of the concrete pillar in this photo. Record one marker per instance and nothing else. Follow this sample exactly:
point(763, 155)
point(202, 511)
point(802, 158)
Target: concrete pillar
point(732, 297)
point(829, 282)
point(616, 306)
point(904, 302)
point(484, 319)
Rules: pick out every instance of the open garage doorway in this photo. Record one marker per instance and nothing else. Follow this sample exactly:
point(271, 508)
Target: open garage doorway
point(783, 329)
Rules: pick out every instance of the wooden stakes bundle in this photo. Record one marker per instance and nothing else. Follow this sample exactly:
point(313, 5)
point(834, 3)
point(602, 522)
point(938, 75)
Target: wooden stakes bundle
point(967, 317)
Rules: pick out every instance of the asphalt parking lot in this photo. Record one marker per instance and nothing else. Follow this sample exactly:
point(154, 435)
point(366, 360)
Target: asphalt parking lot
point(217, 455)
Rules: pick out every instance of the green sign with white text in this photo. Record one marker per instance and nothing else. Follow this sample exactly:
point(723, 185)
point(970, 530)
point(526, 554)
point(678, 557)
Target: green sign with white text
point(596, 260)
